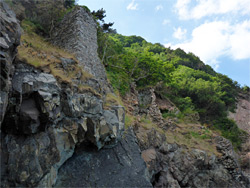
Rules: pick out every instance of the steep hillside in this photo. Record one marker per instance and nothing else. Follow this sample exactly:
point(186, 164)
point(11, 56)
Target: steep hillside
point(82, 106)
point(54, 105)
point(242, 118)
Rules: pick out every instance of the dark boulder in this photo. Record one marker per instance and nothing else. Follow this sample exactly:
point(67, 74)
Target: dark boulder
point(120, 166)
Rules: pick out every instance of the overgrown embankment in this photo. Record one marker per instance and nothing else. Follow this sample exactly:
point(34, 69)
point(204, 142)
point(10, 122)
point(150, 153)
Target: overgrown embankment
point(195, 88)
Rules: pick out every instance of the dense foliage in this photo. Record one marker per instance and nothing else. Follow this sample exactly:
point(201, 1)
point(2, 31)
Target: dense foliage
point(194, 87)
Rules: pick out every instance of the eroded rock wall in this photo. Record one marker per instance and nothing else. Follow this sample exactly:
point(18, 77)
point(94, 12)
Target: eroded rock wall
point(120, 166)
point(77, 33)
point(10, 33)
point(45, 119)
point(44, 122)
point(172, 165)
point(242, 112)
point(242, 118)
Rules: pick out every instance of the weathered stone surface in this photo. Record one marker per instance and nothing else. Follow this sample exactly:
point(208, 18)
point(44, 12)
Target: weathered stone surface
point(37, 104)
point(46, 119)
point(29, 158)
point(229, 158)
point(77, 33)
point(149, 138)
point(9, 39)
point(242, 117)
point(120, 166)
point(148, 105)
point(171, 165)
point(77, 104)
point(106, 130)
point(242, 112)
point(36, 159)
point(34, 103)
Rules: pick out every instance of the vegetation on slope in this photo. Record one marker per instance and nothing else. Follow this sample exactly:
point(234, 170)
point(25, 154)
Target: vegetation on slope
point(195, 88)
point(182, 77)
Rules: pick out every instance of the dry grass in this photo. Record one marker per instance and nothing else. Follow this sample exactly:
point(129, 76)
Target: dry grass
point(59, 74)
point(113, 100)
point(38, 52)
point(86, 88)
point(189, 135)
point(193, 136)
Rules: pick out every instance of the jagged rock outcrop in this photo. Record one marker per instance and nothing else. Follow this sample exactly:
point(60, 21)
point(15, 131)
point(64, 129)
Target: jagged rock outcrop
point(44, 122)
point(172, 165)
point(46, 119)
point(9, 39)
point(120, 166)
point(148, 105)
point(70, 35)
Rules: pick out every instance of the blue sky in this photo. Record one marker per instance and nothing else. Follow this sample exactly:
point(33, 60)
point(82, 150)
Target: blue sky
point(218, 31)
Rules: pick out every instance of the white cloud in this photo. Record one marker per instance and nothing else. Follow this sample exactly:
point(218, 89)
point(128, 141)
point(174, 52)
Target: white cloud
point(203, 8)
point(165, 22)
point(212, 40)
point(132, 6)
point(159, 7)
point(179, 33)
point(240, 41)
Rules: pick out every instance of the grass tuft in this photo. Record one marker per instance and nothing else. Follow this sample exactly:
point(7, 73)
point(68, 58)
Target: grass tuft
point(38, 52)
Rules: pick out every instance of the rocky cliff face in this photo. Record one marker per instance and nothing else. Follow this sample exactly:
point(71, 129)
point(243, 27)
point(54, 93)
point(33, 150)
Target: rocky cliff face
point(54, 134)
point(242, 113)
point(46, 120)
point(76, 27)
point(9, 39)
point(242, 118)
point(174, 165)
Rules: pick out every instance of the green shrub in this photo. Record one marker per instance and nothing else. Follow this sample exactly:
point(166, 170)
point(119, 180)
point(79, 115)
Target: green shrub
point(119, 82)
point(230, 130)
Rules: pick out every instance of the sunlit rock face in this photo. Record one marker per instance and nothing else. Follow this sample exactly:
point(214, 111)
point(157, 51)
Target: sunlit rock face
point(242, 112)
point(242, 117)
point(77, 33)
point(44, 120)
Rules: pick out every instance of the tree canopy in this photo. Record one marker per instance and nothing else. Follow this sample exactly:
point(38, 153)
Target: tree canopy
point(182, 77)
